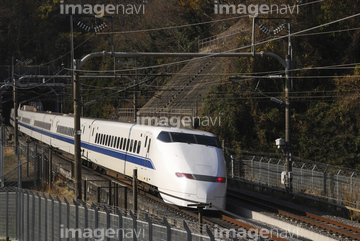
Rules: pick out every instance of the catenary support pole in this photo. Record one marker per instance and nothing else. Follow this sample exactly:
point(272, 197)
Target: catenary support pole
point(77, 132)
point(135, 190)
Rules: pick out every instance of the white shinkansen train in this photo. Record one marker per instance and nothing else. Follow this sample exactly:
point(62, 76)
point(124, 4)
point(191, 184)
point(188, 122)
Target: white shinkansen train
point(185, 163)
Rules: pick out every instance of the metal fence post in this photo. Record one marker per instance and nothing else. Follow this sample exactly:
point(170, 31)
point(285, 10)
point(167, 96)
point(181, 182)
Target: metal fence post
point(110, 193)
point(46, 221)
point(28, 216)
point(278, 173)
point(150, 226)
point(268, 171)
point(67, 215)
point(312, 177)
point(60, 204)
point(98, 194)
point(22, 208)
point(188, 231)
point(76, 217)
point(168, 229)
point(337, 184)
point(52, 217)
point(120, 227)
point(325, 177)
point(252, 168)
point(86, 223)
point(134, 225)
point(39, 220)
point(301, 173)
point(211, 236)
point(351, 182)
point(93, 206)
point(7, 214)
point(17, 213)
point(85, 190)
point(108, 220)
point(33, 217)
point(232, 166)
point(259, 178)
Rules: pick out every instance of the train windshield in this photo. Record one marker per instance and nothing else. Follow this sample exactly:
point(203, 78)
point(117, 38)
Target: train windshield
point(167, 137)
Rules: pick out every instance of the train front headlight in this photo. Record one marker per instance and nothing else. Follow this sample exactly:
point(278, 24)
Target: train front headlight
point(187, 175)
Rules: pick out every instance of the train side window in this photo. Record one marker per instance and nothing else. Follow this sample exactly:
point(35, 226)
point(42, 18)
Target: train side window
point(106, 140)
point(135, 145)
point(138, 147)
point(96, 138)
point(131, 145)
point(112, 141)
point(109, 140)
point(101, 139)
point(124, 144)
point(149, 146)
point(146, 138)
point(93, 131)
point(121, 142)
point(117, 142)
point(115, 139)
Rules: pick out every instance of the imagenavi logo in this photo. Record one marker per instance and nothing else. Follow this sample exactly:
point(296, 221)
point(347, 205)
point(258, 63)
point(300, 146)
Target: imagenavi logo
point(100, 10)
point(253, 10)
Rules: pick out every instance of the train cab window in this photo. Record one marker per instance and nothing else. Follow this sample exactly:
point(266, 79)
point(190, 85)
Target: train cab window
point(138, 147)
point(207, 140)
point(164, 136)
point(182, 137)
point(188, 138)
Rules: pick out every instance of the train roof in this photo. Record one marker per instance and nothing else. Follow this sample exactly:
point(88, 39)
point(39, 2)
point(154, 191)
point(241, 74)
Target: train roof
point(157, 129)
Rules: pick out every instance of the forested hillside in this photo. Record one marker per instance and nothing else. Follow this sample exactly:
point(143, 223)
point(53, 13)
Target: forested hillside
point(325, 103)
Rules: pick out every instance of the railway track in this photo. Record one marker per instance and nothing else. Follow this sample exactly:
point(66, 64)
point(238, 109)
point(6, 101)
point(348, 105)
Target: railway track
point(214, 220)
point(344, 231)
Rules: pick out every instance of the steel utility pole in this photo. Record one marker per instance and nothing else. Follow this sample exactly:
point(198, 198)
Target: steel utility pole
point(77, 132)
point(288, 86)
point(16, 127)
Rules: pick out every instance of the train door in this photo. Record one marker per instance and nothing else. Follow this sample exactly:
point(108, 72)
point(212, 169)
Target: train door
point(144, 173)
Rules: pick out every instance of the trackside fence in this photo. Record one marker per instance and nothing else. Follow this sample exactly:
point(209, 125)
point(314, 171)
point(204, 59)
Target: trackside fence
point(335, 184)
point(31, 216)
